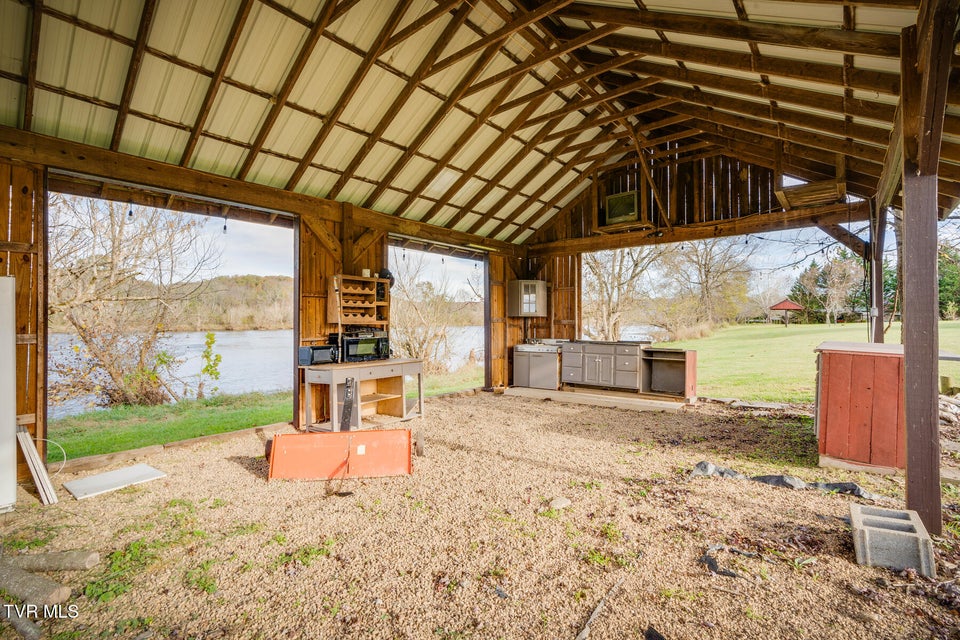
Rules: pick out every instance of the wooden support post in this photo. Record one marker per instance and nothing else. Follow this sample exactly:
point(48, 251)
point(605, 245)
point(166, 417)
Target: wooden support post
point(920, 314)
point(878, 224)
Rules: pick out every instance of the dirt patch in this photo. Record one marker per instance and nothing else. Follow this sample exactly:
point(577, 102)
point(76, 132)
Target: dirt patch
point(467, 546)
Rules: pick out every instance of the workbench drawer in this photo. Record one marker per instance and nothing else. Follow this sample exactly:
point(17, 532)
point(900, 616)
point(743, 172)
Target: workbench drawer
point(369, 373)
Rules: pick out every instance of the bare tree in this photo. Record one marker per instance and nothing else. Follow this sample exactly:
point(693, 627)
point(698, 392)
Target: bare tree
point(421, 311)
point(116, 273)
point(613, 284)
point(842, 274)
point(710, 277)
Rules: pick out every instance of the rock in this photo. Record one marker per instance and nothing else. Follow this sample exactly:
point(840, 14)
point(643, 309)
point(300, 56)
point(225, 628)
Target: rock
point(705, 468)
point(560, 503)
point(788, 482)
point(501, 593)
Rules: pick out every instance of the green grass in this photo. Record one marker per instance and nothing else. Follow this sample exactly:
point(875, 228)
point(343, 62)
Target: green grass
point(467, 377)
point(777, 363)
point(127, 427)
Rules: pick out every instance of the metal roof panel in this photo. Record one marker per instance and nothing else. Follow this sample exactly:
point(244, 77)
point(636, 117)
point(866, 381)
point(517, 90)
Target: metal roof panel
point(81, 61)
point(316, 182)
point(340, 147)
point(271, 170)
point(193, 31)
point(266, 49)
point(325, 77)
point(373, 97)
point(293, 132)
point(412, 173)
point(217, 157)
point(14, 31)
point(357, 191)
point(885, 19)
point(168, 91)
point(120, 16)
point(11, 99)
point(70, 119)
point(413, 116)
point(445, 135)
point(362, 24)
point(828, 15)
point(378, 161)
point(152, 140)
point(236, 114)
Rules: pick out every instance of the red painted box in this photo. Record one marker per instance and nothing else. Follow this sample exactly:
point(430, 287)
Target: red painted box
point(860, 415)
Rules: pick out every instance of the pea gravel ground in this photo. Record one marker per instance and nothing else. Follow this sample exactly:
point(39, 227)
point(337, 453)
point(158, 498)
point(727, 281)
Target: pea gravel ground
point(467, 546)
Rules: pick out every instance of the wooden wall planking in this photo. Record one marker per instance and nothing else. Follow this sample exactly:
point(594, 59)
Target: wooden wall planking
point(23, 229)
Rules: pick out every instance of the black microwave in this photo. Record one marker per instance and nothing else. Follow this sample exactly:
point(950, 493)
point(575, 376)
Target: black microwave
point(321, 354)
point(357, 349)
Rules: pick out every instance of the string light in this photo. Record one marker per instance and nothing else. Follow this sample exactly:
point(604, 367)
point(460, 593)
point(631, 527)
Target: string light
point(130, 212)
point(224, 225)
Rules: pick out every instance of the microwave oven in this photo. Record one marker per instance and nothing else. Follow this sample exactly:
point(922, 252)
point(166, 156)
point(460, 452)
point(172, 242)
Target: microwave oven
point(322, 354)
point(360, 349)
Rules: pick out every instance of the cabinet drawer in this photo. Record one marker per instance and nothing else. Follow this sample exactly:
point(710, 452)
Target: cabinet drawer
point(380, 372)
point(626, 379)
point(628, 350)
point(627, 363)
point(571, 360)
point(572, 374)
point(571, 347)
point(598, 349)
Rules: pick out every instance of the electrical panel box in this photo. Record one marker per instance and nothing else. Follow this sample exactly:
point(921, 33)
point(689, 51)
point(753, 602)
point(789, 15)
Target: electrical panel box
point(527, 299)
point(8, 401)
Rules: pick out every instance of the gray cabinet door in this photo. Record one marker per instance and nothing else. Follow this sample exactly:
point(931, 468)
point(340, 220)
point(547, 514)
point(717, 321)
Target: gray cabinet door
point(598, 369)
point(521, 369)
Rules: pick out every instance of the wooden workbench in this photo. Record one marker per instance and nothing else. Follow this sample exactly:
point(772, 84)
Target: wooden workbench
point(380, 397)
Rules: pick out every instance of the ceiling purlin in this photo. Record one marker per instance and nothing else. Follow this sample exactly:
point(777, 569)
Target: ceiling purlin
point(587, 124)
point(133, 70)
point(647, 126)
point(565, 81)
point(303, 56)
point(230, 46)
point(423, 21)
point(500, 205)
point(835, 126)
point(33, 43)
point(754, 48)
point(463, 139)
point(459, 16)
point(855, 42)
point(577, 105)
point(524, 19)
point(804, 97)
point(864, 79)
point(536, 60)
point(331, 121)
point(679, 151)
point(448, 105)
point(505, 169)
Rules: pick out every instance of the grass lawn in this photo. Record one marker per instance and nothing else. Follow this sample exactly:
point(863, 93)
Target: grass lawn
point(777, 363)
point(123, 428)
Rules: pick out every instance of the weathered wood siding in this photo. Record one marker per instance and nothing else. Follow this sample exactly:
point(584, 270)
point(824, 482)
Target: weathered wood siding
point(23, 256)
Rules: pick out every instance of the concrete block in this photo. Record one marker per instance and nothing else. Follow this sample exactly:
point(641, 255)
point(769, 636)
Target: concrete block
point(891, 538)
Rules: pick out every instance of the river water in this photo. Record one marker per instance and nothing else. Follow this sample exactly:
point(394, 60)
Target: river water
point(252, 360)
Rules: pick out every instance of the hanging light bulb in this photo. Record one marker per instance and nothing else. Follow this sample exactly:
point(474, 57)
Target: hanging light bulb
point(130, 212)
point(224, 225)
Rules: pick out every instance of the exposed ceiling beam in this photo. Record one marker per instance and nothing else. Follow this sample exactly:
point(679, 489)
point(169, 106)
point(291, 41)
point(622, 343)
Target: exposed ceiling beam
point(524, 19)
point(848, 239)
point(647, 127)
point(536, 60)
point(892, 173)
point(867, 80)
point(439, 115)
point(855, 42)
point(442, 8)
point(349, 91)
point(280, 101)
point(33, 51)
point(213, 86)
point(592, 123)
point(584, 103)
point(133, 70)
point(556, 84)
point(936, 37)
point(459, 16)
point(760, 223)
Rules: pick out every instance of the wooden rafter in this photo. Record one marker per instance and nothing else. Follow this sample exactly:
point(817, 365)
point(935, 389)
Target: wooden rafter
point(855, 212)
point(133, 70)
point(213, 86)
point(331, 120)
point(855, 42)
point(398, 103)
point(585, 103)
point(442, 8)
point(648, 127)
point(425, 132)
point(542, 57)
point(936, 37)
point(850, 240)
point(556, 84)
point(36, 15)
point(592, 123)
point(496, 37)
point(280, 101)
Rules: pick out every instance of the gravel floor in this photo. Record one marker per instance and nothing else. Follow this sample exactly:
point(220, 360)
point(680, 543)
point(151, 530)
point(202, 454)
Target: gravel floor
point(467, 547)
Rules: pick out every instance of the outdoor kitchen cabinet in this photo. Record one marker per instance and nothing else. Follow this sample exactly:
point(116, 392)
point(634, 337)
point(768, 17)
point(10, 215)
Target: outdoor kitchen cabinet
point(602, 364)
point(598, 364)
point(669, 371)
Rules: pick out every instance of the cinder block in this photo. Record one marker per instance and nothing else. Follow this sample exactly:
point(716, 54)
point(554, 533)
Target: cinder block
point(891, 538)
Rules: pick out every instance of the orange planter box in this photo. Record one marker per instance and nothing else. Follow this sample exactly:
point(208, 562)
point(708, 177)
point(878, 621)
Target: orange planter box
point(344, 454)
point(860, 414)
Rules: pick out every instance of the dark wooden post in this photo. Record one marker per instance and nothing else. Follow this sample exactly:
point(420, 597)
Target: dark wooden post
point(920, 314)
point(878, 224)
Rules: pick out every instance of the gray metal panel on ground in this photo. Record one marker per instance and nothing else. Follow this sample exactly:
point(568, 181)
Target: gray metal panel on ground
point(8, 405)
point(112, 480)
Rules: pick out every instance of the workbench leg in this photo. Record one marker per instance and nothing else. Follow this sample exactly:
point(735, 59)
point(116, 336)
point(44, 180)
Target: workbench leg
point(420, 393)
point(307, 406)
point(334, 420)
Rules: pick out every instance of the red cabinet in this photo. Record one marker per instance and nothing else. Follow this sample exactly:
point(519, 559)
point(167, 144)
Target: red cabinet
point(860, 416)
